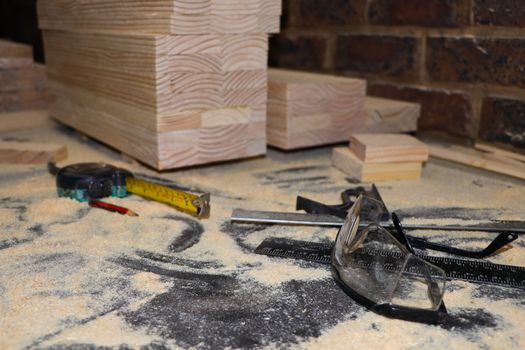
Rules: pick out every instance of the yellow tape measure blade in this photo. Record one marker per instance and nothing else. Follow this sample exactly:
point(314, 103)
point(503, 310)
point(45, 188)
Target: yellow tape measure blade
point(198, 206)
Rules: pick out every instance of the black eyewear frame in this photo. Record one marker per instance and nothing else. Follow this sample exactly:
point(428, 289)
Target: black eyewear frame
point(410, 313)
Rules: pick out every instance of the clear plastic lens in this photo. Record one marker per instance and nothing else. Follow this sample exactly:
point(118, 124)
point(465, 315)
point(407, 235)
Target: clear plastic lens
point(375, 265)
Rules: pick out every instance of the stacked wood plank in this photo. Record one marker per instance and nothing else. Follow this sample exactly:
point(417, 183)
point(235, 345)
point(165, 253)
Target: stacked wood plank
point(307, 109)
point(381, 157)
point(22, 82)
point(170, 82)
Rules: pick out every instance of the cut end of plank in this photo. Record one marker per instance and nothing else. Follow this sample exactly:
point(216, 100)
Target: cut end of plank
point(388, 148)
point(31, 153)
point(345, 160)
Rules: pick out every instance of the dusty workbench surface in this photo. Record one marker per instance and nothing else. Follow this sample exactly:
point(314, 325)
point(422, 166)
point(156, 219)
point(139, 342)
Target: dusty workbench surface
point(75, 276)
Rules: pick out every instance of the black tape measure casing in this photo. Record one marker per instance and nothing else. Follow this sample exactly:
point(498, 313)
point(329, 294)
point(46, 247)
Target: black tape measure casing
point(85, 181)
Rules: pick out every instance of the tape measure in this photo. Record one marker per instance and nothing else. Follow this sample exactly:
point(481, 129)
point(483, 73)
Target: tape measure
point(88, 181)
point(460, 269)
point(198, 206)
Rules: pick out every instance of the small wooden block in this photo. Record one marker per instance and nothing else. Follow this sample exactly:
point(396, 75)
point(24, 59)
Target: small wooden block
point(346, 161)
point(31, 153)
point(23, 119)
point(389, 116)
point(388, 148)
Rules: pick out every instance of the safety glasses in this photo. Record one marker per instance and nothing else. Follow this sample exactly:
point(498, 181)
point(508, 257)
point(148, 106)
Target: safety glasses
point(378, 269)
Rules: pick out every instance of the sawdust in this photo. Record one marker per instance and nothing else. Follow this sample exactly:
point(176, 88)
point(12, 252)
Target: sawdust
point(70, 277)
point(109, 330)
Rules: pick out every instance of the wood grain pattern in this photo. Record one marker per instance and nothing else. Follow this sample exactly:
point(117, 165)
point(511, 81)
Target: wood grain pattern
point(23, 119)
point(390, 116)
point(143, 71)
point(499, 151)
point(31, 153)
point(182, 17)
point(346, 161)
point(172, 83)
point(306, 109)
point(388, 148)
point(478, 159)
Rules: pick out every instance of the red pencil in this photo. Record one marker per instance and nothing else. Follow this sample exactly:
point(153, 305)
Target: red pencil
point(112, 208)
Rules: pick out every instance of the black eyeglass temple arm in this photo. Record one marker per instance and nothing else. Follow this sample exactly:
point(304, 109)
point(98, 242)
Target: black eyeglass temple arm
point(499, 242)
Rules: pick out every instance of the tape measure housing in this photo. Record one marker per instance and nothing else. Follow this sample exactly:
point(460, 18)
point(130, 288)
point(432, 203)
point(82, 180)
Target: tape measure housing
point(86, 181)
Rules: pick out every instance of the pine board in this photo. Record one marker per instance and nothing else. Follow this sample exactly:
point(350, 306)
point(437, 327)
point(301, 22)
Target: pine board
point(499, 151)
point(346, 161)
point(23, 119)
point(31, 153)
point(181, 17)
point(478, 159)
point(388, 148)
point(163, 141)
point(146, 72)
point(307, 109)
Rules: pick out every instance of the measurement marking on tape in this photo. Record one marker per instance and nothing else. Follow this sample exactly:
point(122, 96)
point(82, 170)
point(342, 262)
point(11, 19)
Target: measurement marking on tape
point(198, 206)
point(462, 269)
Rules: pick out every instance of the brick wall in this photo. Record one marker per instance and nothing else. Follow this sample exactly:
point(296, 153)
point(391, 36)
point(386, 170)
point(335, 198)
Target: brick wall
point(463, 60)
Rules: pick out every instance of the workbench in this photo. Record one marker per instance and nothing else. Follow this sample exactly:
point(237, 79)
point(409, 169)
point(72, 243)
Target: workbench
point(81, 277)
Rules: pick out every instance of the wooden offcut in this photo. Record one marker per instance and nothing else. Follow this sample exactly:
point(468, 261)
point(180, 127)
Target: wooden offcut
point(23, 84)
point(489, 148)
point(388, 148)
point(486, 160)
point(346, 161)
point(31, 153)
point(389, 116)
point(308, 109)
point(23, 119)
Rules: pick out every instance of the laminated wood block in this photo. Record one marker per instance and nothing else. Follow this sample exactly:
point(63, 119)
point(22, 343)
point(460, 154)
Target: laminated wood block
point(31, 153)
point(306, 109)
point(140, 70)
point(182, 17)
point(286, 85)
point(346, 161)
point(164, 141)
point(388, 148)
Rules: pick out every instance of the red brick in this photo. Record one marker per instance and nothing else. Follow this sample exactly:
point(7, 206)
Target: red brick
point(503, 121)
point(487, 60)
point(505, 13)
point(425, 13)
point(297, 51)
point(386, 55)
point(441, 110)
point(315, 13)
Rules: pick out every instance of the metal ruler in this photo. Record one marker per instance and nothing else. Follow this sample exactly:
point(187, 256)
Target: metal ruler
point(456, 269)
point(198, 206)
point(269, 217)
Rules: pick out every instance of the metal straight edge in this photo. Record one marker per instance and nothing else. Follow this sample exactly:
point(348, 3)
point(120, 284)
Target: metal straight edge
point(270, 217)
